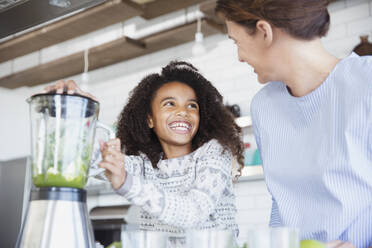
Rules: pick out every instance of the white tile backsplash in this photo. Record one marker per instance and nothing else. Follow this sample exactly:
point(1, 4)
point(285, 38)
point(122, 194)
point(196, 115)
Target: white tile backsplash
point(253, 216)
point(264, 201)
point(346, 15)
point(6, 68)
point(337, 5)
point(251, 188)
point(253, 202)
point(25, 62)
point(363, 26)
point(336, 32)
point(245, 202)
point(344, 47)
point(350, 3)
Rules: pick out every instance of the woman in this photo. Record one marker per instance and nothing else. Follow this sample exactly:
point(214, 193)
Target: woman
point(312, 120)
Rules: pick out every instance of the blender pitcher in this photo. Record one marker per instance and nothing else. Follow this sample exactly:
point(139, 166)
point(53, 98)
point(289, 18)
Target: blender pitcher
point(62, 134)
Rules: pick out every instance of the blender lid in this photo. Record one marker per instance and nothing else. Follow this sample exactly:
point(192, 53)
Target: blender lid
point(50, 102)
point(52, 93)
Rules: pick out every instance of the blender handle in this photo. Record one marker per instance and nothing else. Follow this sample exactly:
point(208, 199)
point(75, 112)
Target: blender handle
point(108, 129)
point(94, 171)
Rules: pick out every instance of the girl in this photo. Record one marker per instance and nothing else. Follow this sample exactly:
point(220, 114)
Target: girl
point(178, 141)
point(312, 120)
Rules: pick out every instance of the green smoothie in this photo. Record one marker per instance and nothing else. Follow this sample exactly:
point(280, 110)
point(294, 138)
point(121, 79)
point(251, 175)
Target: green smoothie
point(60, 179)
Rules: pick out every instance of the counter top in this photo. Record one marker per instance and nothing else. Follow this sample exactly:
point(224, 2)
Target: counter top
point(251, 173)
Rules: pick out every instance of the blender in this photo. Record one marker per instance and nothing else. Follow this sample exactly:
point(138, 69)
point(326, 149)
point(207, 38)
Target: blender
point(63, 131)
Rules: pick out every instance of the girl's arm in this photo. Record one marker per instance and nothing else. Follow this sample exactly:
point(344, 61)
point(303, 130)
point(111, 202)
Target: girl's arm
point(213, 174)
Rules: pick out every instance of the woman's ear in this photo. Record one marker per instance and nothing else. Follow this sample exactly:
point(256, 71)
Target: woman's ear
point(266, 31)
point(150, 122)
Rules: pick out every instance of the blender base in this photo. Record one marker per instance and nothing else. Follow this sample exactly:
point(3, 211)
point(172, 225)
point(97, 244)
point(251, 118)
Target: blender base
point(56, 217)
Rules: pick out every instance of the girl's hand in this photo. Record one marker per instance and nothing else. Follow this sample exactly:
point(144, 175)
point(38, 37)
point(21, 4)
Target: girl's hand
point(68, 86)
point(339, 244)
point(113, 162)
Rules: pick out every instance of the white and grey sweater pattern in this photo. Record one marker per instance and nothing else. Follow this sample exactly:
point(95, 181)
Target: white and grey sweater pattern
point(193, 191)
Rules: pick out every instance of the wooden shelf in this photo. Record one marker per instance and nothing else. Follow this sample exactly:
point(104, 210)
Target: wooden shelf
point(179, 35)
point(99, 56)
point(157, 8)
point(107, 54)
point(98, 17)
point(92, 19)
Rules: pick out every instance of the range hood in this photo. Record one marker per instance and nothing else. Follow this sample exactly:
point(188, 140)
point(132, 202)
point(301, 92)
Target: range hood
point(20, 15)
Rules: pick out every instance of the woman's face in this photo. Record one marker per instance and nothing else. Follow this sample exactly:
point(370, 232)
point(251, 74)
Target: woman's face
point(175, 114)
point(252, 49)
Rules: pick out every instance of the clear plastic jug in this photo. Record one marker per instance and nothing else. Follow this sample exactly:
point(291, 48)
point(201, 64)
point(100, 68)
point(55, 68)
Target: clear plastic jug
point(63, 128)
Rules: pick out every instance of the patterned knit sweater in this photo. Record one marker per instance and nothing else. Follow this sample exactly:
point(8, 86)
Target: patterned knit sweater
point(193, 191)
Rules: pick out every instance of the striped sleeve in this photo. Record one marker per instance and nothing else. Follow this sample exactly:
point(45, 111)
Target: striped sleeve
point(275, 220)
point(255, 127)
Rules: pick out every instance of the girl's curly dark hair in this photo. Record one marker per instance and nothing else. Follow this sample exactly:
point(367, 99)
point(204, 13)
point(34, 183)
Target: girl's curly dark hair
point(216, 122)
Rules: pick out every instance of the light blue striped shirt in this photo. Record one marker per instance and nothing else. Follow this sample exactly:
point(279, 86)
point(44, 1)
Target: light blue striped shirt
point(317, 154)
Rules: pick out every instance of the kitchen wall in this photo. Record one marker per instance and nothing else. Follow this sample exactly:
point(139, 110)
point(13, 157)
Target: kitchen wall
point(14, 124)
point(236, 81)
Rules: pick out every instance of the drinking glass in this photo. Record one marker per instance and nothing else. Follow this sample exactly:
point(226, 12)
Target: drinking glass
point(281, 237)
point(210, 239)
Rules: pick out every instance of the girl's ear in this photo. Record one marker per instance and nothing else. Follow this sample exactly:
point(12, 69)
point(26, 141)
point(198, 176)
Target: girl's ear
point(150, 122)
point(266, 31)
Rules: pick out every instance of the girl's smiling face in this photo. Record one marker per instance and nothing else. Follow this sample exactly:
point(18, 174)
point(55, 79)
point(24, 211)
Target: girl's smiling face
point(175, 116)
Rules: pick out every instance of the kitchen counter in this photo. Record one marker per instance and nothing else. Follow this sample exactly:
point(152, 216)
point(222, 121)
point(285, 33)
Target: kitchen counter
point(251, 173)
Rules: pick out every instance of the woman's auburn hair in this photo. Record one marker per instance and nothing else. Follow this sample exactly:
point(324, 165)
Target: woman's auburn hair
point(216, 121)
point(302, 19)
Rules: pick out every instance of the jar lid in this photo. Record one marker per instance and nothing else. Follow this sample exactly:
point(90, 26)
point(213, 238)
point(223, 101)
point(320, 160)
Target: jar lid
point(64, 105)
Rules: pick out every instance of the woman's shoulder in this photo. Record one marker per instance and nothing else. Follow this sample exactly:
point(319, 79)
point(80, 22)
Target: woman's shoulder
point(355, 60)
point(270, 94)
point(355, 67)
point(354, 76)
point(270, 88)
